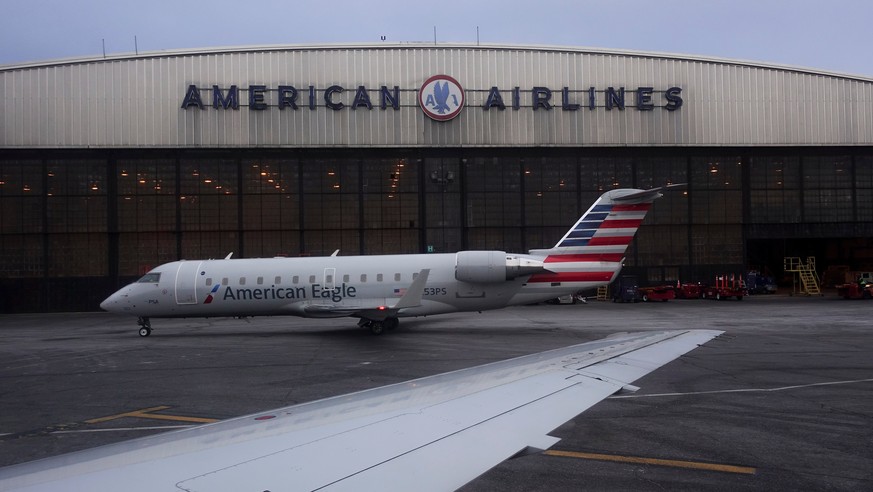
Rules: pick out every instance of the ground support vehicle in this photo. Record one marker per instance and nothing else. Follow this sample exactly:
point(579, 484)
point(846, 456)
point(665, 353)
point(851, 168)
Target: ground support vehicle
point(756, 283)
point(725, 287)
point(690, 291)
point(658, 293)
point(855, 290)
point(626, 289)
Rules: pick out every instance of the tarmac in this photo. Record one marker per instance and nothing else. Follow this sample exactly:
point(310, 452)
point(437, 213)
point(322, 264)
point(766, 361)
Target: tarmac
point(782, 401)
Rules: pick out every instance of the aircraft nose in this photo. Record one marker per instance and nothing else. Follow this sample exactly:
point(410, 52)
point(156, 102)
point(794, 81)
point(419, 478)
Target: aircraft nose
point(112, 302)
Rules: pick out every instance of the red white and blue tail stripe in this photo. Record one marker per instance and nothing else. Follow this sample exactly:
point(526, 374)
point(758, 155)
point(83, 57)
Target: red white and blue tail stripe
point(592, 250)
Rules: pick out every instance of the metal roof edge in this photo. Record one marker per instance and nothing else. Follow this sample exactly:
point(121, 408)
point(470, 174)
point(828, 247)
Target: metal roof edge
point(427, 45)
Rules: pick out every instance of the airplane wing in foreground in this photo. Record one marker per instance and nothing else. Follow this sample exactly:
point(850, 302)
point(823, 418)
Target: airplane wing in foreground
point(434, 433)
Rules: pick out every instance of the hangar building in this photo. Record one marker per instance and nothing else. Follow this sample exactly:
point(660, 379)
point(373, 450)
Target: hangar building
point(109, 166)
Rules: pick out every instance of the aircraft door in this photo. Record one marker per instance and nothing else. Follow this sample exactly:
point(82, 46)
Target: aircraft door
point(329, 278)
point(186, 282)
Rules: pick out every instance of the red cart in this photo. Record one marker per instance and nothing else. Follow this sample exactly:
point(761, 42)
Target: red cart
point(726, 287)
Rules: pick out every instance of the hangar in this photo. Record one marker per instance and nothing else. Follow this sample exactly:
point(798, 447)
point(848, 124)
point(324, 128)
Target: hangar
point(112, 165)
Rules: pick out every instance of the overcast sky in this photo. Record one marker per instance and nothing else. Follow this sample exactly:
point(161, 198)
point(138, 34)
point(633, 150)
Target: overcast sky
point(832, 35)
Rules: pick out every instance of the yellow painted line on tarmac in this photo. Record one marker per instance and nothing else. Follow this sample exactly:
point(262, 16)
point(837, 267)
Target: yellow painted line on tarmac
point(696, 465)
point(146, 413)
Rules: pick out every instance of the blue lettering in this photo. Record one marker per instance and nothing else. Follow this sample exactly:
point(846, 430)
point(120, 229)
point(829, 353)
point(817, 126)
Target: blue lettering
point(495, 100)
point(362, 98)
point(644, 98)
point(328, 93)
point(674, 102)
point(541, 97)
point(565, 100)
point(232, 99)
point(287, 97)
point(256, 97)
point(592, 102)
point(387, 97)
point(192, 98)
point(614, 99)
point(312, 97)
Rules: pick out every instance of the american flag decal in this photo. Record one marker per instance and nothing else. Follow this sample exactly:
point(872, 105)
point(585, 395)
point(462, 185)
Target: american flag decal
point(589, 251)
point(400, 292)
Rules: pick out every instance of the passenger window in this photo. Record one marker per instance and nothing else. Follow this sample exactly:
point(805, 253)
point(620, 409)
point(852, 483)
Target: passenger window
point(328, 279)
point(346, 278)
point(397, 277)
point(378, 277)
point(208, 282)
point(278, 280)
point(312, 279)
point(224, 281)
point(242, 280)
point(260, 280)
point(363, 277)
point(296, 279)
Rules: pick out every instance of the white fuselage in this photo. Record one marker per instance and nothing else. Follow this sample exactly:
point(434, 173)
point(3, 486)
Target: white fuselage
point(338, 284)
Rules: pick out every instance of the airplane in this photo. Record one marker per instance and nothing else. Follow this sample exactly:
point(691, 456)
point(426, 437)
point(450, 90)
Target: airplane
point(381, 289)
point(434, 433)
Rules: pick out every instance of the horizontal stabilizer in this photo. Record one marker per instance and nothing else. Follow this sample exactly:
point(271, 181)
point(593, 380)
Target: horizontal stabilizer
point(646, 195)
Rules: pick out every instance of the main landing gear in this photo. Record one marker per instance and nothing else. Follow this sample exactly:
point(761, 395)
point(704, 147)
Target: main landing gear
point(145, 327)
point(378, 327)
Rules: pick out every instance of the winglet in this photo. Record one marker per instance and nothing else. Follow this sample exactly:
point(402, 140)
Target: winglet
point(412, 297)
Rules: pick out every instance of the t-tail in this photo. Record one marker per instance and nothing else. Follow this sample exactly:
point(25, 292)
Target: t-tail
point(591, 253)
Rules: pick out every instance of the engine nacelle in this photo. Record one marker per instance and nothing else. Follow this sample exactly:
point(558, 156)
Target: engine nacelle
point(483, 267)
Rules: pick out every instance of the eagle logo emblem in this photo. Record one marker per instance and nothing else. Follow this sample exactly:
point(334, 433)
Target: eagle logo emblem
point(441, 97)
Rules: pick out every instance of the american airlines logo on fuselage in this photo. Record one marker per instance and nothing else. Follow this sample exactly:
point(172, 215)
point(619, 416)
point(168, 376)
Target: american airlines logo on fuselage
point(440, 97)
point(316, 291)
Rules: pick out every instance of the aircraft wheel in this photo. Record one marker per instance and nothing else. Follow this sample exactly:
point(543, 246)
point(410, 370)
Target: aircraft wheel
point(391, 323)
point(144, 332)
point(376, 327)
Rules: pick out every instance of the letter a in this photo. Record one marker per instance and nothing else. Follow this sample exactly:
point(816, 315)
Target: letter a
point(192, 98)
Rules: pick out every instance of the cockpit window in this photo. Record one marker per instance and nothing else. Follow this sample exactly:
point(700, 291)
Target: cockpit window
point(150, 278)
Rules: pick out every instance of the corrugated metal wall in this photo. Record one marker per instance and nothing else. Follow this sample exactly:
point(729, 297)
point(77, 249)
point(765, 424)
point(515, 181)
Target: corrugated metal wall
point(136, 101)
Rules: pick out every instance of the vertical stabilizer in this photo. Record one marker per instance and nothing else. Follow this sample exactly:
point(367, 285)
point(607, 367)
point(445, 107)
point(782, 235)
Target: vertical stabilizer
point(591, 252)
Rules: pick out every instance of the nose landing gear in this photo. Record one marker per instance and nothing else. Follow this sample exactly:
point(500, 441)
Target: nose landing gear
point(145, 327)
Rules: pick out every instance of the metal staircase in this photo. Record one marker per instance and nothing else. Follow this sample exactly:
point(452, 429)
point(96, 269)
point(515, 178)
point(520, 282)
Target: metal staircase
point(602, 293)
point(806, 280)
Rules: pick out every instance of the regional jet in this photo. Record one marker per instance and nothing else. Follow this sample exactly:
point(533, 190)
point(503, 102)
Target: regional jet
point(430, 434)
point(378, 290)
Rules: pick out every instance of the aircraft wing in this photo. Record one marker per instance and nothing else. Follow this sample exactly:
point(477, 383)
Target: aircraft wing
point(435, 433)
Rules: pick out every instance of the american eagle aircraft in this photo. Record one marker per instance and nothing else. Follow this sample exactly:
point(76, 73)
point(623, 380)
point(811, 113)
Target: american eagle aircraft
point(380, 289)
